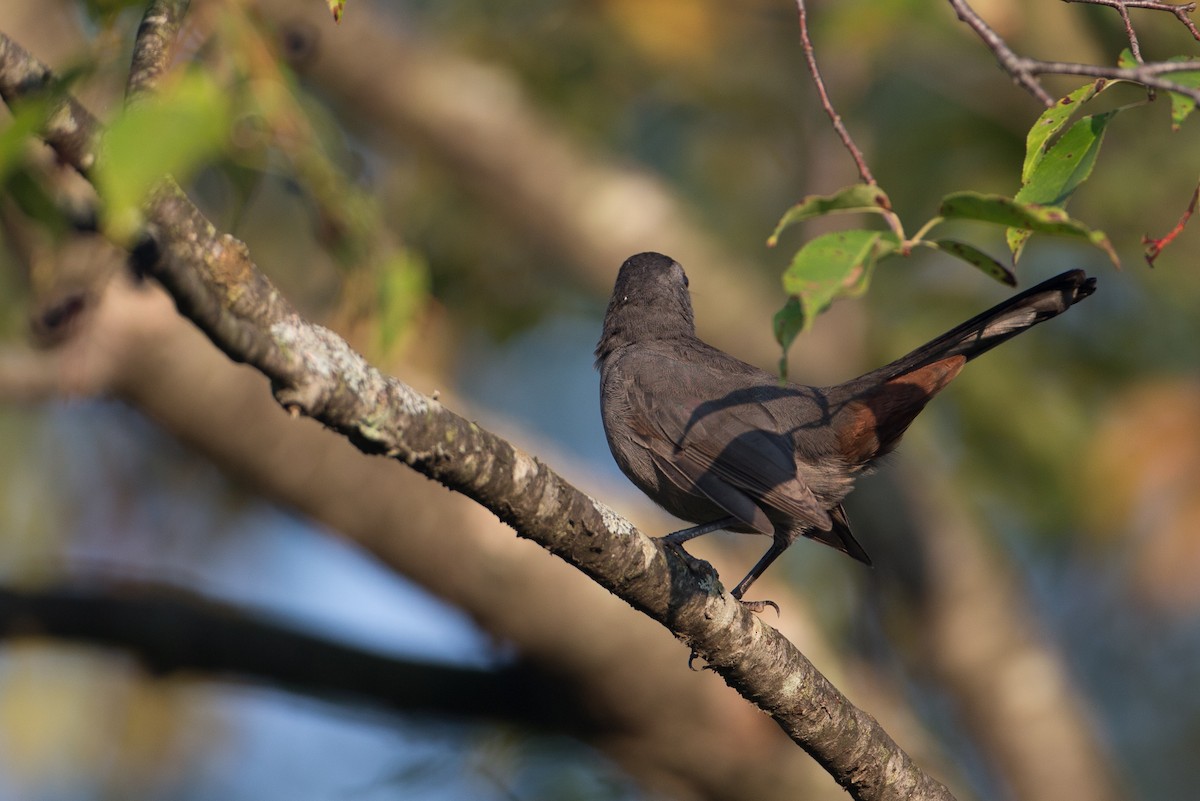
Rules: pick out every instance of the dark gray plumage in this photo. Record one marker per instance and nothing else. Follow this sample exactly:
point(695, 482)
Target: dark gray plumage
point(720, 443)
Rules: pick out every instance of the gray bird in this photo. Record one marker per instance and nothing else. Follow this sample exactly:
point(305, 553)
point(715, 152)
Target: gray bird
point(721, 443)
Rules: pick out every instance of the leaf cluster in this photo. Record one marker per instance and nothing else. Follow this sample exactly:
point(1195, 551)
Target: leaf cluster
point(1061, 150)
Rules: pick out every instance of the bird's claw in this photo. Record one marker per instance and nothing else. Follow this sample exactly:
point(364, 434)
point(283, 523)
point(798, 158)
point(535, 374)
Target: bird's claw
point(759, 606)
point(697, 567)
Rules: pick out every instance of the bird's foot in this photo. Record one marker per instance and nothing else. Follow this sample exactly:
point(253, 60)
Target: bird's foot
point(759, 606)
point(697, 567)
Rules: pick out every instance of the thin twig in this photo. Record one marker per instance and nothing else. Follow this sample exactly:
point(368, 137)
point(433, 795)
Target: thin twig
point(1010, 61)
point(1147, 74)
point(1134, 48)
point(1024, 70)
point(863, 170)
point(1154, 247)
point(1179, 10)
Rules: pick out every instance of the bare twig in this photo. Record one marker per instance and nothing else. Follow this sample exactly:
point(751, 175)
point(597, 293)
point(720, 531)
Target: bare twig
point(1123, 9)
point(1154, 247)
point(839, 127)
point(1024, 70)
point(1179, 10)
point(863, 170)
point(1013, 64)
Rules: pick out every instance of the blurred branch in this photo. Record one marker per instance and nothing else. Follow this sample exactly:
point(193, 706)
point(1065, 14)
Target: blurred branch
point(313, 371)
point(170, 630)
point(1025, 70)
point(70, 128)
point(983, 643)
point(154, 45)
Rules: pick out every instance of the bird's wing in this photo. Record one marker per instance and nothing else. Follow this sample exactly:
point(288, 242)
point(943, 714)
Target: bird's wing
point(730, 451)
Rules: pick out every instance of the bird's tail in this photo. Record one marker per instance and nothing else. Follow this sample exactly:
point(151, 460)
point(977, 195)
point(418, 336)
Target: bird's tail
point(876, 408)
point(1000, 323)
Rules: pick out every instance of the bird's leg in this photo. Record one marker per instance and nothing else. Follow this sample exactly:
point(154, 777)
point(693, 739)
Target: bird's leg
point(676, 539)
point(685, 534)
point(777, 547)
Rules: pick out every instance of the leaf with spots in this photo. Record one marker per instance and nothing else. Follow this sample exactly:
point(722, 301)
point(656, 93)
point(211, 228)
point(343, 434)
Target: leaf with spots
point(1052, 121)
point(1001, 210)
point(1061, 169)
point(856, 198)
point(827, 268)
point(974, 256)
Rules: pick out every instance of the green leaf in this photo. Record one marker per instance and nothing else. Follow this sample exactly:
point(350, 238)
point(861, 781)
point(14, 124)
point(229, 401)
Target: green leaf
point(336, 6)
point(1052, 121)
point(1016, 238)
point(788, 323)
point(403, 288)
point(28, 118)
point(975, 256)
point(1182, 105)
point(1001, 210)
point(1067, 164)
point(825, 269)
point(172, 133)
point(1060, 171)
point(856, 198)
point(833, 266)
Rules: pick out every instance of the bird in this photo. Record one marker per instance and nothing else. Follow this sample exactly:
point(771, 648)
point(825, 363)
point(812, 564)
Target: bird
point(725, 445)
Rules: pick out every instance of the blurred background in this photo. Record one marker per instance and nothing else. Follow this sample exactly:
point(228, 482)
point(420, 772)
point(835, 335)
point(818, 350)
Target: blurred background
point(202, 598)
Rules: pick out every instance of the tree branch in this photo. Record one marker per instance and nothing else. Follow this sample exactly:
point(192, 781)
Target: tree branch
point(153, 47)
point(70, 128)
point(170, 630)
point(1179, 10)
point(839, 127)
point(1024, 70)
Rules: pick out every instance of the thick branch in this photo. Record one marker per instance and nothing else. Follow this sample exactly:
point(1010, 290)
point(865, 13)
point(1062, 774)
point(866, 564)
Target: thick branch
point(313, 371)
